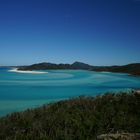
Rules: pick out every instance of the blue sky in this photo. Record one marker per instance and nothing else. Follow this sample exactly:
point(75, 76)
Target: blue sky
point(98, 32)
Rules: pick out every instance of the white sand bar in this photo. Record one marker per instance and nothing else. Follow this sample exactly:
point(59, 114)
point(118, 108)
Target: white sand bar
point(30, 72)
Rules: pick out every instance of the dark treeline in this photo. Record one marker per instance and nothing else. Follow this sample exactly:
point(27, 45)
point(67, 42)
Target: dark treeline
point(82, 118)
point(133, 69)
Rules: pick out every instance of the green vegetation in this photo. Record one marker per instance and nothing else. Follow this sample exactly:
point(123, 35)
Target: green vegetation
point(82, 118)
point(133, 69)
point(46, 66)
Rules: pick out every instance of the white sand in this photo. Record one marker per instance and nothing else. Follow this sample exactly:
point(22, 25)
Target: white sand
point(31, 72)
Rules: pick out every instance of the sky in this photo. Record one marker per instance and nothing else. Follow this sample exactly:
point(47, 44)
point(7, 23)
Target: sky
point(97, 32)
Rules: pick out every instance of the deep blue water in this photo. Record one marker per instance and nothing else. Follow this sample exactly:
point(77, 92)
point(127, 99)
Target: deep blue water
point(19, 91)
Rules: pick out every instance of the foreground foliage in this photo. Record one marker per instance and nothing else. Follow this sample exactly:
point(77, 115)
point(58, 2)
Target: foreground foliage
point(83, 118)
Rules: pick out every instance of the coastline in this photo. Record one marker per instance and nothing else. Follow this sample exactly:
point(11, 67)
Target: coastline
point(28, 72)
point(130, 69)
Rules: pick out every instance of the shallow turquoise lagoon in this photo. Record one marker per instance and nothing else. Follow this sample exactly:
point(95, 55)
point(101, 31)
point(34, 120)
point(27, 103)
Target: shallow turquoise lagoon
point(19, 91)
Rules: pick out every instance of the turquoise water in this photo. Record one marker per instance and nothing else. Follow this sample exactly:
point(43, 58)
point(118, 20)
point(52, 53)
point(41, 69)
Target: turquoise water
point(19, 91)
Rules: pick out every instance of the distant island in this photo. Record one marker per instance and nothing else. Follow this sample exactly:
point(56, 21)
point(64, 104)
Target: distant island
point(133, 69)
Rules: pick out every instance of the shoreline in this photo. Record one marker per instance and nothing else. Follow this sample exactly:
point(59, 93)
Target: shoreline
point(28, 72)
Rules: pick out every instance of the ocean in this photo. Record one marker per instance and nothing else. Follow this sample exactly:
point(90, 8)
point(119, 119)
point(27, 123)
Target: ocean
point(20, 91)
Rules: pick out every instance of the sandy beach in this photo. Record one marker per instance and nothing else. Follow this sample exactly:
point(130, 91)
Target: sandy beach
point(30, 72)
